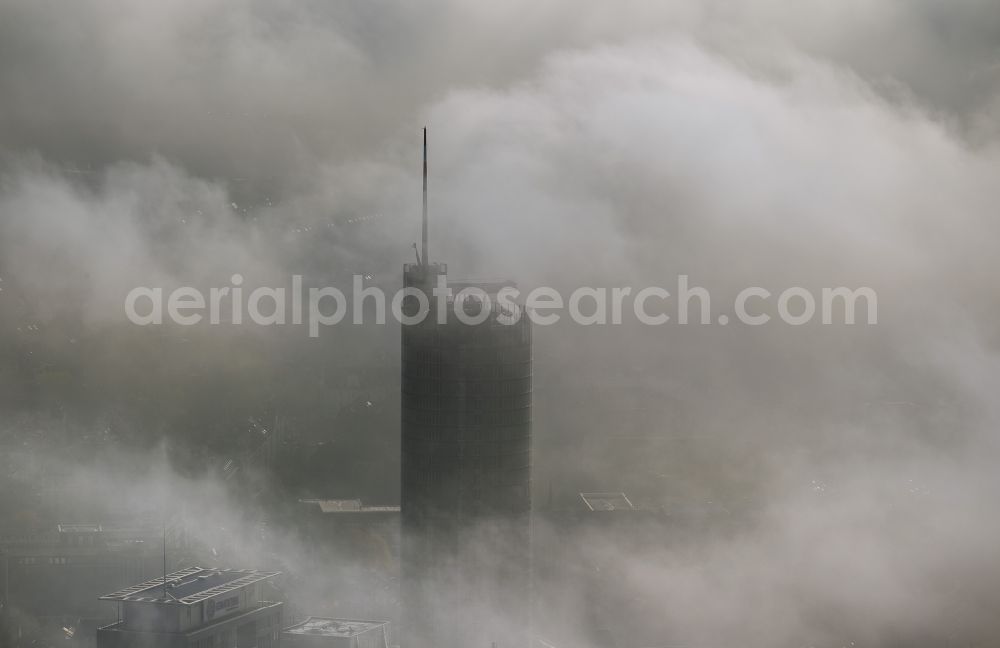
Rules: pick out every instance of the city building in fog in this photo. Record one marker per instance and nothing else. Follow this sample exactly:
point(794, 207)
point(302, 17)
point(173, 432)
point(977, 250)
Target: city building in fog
point(358, 545)
point(195, 608)
point(367, 534)
point(49, 580)
point(466, 467)
point(321, 632)
point(579, 542)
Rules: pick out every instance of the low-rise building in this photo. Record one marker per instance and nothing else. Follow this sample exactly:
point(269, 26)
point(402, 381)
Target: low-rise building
point(50, 580)
point(195, 608)
point(321, 632)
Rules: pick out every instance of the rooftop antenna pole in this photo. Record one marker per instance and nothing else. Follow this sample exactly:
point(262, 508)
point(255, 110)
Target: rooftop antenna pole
point(164, 557)
point(423, 255)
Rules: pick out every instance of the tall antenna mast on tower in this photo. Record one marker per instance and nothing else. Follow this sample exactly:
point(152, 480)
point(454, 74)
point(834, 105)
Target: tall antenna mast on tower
point(424, 258)
point(164, 557)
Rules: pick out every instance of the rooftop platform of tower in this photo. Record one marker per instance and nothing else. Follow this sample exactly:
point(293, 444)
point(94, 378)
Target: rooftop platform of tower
point(415, 272)
point(489, 286)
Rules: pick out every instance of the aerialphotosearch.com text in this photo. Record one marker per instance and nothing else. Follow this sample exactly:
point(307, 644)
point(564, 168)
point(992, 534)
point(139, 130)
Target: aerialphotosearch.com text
point(318, 307)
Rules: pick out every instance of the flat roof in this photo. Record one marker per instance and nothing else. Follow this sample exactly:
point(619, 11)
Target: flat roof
point(190, 586)
point(326, 627)
point(607, 501)
point(79, 528)
point(347, 506)
point(339, 505)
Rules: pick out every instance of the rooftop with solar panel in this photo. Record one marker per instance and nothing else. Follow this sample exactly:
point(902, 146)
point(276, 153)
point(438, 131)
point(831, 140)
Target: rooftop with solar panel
point(195, 606)
point(190, 586)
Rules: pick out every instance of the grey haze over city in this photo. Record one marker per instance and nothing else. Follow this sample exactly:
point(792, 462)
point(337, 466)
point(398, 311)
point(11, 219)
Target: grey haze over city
point(814, 485)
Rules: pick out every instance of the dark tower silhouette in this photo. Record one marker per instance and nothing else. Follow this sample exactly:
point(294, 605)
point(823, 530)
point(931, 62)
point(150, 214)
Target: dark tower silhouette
point(466, 465)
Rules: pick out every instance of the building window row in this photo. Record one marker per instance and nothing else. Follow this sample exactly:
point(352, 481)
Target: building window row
point(467, 357)
point(50, 560)
point(424, 369)
point(517, 385)
point(468, 418)
point(504, 435)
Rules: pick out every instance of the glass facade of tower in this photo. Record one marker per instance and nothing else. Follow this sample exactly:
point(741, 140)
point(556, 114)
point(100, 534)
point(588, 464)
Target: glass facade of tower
point(466, 482)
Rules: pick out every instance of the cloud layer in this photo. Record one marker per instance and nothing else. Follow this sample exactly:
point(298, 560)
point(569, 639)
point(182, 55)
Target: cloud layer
point(763, 143)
